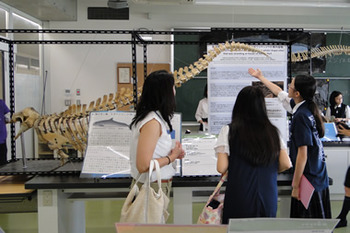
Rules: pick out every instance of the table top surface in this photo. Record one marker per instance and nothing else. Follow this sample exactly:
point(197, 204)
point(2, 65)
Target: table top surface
point(75, 182)
point(74, 165)
point(14, 186)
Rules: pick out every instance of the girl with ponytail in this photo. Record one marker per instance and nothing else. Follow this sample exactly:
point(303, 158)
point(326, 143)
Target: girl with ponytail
point(306, 86)
point(305, 149)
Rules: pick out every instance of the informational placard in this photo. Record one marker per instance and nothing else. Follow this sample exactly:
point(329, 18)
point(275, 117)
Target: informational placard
point(108, 147)
point(228, 75)
point(200, 159)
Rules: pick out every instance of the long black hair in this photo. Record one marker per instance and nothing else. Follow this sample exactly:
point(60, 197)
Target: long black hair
point(157, 95)
point(252, 135)
point(306, 85)
point(332, 98)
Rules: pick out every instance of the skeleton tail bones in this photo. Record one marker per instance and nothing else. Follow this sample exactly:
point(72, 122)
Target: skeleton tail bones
point(71, 126)
point(329, 50)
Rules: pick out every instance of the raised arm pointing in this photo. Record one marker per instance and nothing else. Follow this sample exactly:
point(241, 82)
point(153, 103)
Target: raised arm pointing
point(258, 74)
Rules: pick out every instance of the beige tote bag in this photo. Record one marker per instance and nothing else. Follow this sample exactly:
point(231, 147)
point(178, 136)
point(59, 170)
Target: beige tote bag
point(146, 205)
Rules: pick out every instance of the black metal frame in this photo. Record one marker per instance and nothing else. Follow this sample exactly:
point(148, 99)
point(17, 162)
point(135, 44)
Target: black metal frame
point(288, 36)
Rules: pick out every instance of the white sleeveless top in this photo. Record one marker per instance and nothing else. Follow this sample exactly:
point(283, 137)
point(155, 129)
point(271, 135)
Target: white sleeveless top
point(163, 148)
point(222, 143)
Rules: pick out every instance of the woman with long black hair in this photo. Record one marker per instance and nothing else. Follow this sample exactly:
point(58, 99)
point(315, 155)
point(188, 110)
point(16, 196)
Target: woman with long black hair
point(251, 150)
point(151, 129)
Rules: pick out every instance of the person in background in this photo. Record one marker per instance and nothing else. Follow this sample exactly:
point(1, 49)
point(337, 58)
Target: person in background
point(4, 118)
point(251, 150)
point(306, 149)
point(202, 111)
point(346, 203)
point(337, 111)
point(150, 126)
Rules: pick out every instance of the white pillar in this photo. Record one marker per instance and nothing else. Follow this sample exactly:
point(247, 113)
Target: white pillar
point(57, 214)
point(182, 205)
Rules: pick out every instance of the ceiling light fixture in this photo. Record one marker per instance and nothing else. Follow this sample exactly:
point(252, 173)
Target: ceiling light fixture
point(118, 4)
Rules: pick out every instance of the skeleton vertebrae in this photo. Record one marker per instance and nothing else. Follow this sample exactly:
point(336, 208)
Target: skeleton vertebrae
point(182, 75)
point(330, 50)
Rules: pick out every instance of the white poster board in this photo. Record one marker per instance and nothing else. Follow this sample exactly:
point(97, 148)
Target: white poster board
point(107, 152)
point(228, 74)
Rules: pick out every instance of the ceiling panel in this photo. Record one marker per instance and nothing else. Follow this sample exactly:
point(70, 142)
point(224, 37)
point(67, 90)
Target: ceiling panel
point(46, 10)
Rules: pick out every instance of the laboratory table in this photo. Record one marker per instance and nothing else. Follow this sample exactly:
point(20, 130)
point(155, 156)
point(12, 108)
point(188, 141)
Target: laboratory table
point(61, 206)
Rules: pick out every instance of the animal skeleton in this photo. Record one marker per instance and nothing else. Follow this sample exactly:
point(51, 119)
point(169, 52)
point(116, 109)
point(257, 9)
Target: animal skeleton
point(71, 126)
point(329, 50)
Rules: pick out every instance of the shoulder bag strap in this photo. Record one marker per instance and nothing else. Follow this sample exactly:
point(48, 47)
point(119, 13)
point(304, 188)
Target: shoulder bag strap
point(151, 168)
point(148, 187)
point(158, 174)
point(222, 180)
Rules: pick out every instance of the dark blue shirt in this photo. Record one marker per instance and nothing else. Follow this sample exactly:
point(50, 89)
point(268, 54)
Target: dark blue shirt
point(303, 132)
point(3, 110)
point(338, 112)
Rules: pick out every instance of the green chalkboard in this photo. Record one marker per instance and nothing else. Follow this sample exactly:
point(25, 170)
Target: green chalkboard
point(185, 54)
point(189, 94)
point(338, 66)
point(337, 69)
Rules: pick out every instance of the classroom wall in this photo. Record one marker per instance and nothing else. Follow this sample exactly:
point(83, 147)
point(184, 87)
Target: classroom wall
point(93, 68)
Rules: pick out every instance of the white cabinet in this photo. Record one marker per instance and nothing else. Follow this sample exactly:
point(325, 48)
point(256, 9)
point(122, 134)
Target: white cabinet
point(337, 164)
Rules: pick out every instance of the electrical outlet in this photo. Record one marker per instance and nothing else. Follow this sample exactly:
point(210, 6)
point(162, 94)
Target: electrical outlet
point(67, 92)
point(47, 198)
point(78, 102)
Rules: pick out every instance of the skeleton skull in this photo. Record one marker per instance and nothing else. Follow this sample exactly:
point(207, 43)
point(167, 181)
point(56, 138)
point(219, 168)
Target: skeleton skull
point(27, 118)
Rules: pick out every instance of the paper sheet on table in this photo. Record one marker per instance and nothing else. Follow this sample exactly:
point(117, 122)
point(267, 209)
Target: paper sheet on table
point(200, 159)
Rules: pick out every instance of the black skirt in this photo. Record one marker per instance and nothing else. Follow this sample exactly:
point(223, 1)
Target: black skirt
point(201, 125)
point(347, 178)
point(320, 206)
